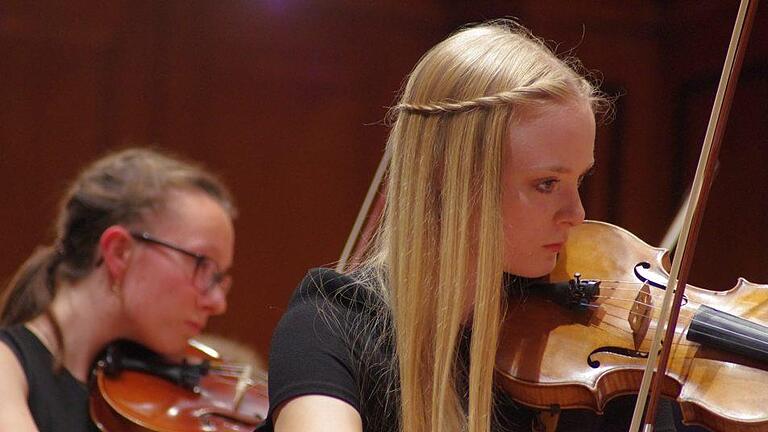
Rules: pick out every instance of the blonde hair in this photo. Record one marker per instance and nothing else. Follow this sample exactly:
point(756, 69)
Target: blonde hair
point(441, 232)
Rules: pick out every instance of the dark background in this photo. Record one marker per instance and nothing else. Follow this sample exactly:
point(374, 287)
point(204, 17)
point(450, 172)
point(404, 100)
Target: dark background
point(285, 100)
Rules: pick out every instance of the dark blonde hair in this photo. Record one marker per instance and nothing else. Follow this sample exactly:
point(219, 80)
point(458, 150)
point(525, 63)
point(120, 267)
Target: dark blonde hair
point(442, 225)
point(116, 189)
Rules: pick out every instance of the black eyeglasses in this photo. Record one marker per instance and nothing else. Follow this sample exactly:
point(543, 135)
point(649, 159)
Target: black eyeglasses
point(207, 274)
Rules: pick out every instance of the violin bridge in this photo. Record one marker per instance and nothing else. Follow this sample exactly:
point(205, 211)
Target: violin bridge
point(640, 315)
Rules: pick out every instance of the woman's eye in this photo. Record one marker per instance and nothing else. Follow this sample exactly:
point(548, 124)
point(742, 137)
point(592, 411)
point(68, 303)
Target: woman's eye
point(585, 175)
point(547, 186)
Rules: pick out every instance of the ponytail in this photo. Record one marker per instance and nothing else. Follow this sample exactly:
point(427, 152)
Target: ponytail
point(32, 287)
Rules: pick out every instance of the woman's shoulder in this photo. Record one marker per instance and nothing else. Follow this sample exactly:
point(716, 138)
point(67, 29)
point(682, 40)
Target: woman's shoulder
point(11, 339)
point(326, 281)
point(14, 411)
point(20, 340)
point(22, 346)
point(350, 290)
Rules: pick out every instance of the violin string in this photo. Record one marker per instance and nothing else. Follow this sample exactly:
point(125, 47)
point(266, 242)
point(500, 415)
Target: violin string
point(630, 331)
point(704, 324)
point(619, 287)
point(260, 379)
point(683, 313)
point(686, 312)
point(650, 306)
point(613, 305)
point(229, 367)
point(633, 288)
point(623, 309)
point(620, 318)
point(620, 330)
point(757, 340)
point(235, 370)
point(232, 371)
point(654, 297)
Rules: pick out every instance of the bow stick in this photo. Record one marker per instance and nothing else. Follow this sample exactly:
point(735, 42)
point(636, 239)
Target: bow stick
point(694, 214)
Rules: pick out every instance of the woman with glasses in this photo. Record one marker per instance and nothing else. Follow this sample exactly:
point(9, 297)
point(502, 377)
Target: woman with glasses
point(143, 247)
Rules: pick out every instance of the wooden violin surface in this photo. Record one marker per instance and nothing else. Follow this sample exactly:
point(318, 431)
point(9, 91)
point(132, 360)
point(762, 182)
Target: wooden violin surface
point(581, 357)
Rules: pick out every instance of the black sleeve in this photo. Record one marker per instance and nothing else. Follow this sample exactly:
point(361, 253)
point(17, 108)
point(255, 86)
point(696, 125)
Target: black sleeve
point(309, 354)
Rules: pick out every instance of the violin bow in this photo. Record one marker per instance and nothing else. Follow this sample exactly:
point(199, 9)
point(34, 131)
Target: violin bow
point(354, 249)
point(702, 183)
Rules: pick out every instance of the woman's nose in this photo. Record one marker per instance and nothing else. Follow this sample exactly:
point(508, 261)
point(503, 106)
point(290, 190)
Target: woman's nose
point(572, 212)
point(214, 301)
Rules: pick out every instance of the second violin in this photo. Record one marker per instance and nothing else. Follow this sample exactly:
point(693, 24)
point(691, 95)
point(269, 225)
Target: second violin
point(135, 390)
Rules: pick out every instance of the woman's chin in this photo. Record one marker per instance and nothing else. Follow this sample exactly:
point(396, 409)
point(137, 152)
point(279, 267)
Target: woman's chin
point(533, 270)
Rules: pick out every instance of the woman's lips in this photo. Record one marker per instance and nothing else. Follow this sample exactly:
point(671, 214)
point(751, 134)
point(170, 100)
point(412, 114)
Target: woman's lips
point(195, 326)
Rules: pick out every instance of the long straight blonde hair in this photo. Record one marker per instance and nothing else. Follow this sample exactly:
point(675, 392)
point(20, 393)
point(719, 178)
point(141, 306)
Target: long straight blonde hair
point(440, 241)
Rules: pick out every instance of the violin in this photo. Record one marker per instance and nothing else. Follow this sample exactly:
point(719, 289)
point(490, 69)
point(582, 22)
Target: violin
point(134, 389)
point(584, 342)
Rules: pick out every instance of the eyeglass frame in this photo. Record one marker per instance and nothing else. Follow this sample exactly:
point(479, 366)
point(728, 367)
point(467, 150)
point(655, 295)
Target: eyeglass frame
point(218, 277)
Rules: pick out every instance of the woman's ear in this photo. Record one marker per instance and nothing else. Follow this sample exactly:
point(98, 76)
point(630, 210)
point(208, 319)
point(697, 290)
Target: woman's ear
point(116, 246)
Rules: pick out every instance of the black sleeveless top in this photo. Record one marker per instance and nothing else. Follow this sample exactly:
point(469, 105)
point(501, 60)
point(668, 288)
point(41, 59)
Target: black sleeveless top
point(57, 400)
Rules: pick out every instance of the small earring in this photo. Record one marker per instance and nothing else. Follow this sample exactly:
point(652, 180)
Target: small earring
point(115, 288)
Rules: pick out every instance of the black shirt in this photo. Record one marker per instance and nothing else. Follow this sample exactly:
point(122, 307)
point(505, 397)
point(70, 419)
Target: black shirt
point(57, 400)
point(329, 342)
point(316, 347)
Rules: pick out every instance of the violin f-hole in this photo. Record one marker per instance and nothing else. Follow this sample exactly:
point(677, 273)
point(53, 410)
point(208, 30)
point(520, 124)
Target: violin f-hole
point(626, 352)
point(647, 280)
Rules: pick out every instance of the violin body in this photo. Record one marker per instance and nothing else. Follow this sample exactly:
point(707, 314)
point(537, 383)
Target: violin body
point(139, 401)
point(581, 357)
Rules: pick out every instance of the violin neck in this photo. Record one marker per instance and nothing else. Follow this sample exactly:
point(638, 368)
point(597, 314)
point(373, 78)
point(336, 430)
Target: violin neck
point(717, 329)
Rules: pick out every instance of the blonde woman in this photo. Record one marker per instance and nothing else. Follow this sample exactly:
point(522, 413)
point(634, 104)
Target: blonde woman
point(492, 137)
point(143, 247)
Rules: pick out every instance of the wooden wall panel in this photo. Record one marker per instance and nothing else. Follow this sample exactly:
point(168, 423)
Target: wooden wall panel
point(50, 100)
point(734, 232)
point(734, 236)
